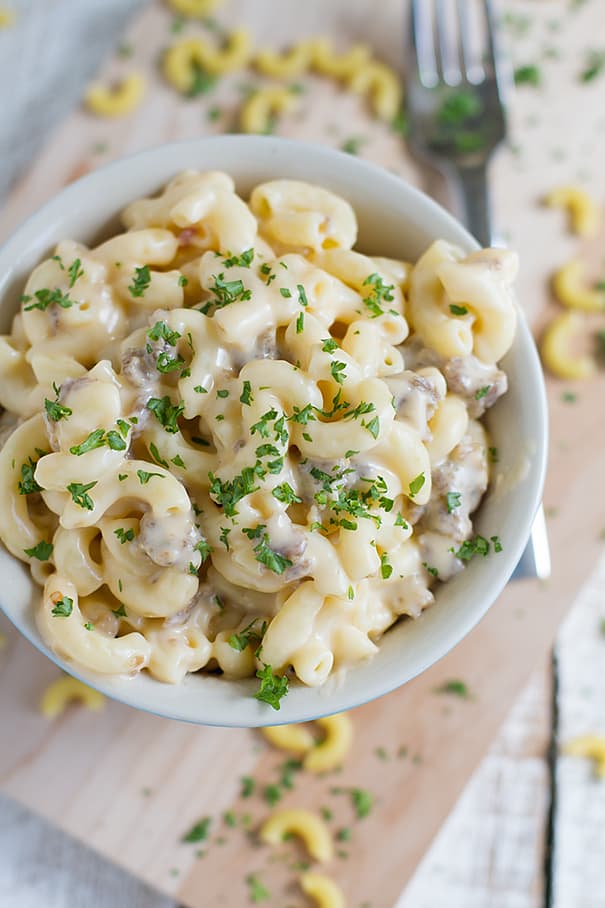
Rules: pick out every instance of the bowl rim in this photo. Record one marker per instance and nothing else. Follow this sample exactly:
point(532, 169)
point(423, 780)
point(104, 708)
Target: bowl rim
point(427, 210)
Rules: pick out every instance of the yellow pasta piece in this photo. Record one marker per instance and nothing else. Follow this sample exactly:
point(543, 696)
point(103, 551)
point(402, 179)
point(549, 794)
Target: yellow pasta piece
point(591, 746)
point(257, 111)
point(293, 62)
point(295, 738)
point(323, 890)
point(582, 210)
point(555, 348)
point(7, 17)
point(194, 9)
point(304, 824)
point(571, 289)
point(183, 58)
point(338, 66)
point(64, 691)
point(331, 752)
point(382, 84)
point(119, 101)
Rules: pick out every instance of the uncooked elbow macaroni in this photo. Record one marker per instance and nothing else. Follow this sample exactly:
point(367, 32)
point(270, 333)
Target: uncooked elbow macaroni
point(240, 445)
point(116, 101)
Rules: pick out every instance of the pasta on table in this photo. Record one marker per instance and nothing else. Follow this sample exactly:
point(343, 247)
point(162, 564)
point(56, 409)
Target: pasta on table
point(240, 444)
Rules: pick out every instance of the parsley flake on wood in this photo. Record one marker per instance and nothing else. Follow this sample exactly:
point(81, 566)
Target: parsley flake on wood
point(201, 82)
point(272, 687)
point(256, 891)
point(140, 281)
point(248, 786)
point(42, 551)
point(198, 832)
point(595, 64)
point(528, 74)
point(456, 688)
point(362, 802)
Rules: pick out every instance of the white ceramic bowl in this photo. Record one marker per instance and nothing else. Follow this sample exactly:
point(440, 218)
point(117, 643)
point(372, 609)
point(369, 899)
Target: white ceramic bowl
point(394, 220)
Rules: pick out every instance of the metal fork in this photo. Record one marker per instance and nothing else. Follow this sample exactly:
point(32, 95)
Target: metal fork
point(456, 114)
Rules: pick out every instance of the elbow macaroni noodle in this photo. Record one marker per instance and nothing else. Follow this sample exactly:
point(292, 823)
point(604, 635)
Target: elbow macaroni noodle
point(319, 756)
point(583, 212)
point(60, 693)
point(303, 823)
point(238, 444)
point(119, 101)
point(324, 891)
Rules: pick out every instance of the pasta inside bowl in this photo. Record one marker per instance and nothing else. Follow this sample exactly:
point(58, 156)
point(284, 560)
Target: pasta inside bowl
point(251, 430)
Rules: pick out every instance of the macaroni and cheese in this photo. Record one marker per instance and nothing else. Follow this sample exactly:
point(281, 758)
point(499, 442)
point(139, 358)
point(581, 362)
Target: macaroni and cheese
point(239, 445)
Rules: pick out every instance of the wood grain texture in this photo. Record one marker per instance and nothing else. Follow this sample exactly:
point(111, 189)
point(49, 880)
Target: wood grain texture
point(135, 783)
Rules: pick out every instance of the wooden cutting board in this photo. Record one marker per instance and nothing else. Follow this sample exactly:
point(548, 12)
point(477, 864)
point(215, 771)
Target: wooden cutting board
point(130, 785)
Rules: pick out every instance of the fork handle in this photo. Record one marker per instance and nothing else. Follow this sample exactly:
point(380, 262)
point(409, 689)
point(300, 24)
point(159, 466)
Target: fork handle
point(475, 194)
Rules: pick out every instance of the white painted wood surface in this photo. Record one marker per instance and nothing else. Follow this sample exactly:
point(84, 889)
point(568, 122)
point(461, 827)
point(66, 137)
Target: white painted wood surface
point(482, 857)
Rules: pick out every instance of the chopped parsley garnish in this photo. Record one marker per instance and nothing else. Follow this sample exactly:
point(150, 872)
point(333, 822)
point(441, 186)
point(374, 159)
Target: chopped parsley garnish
point(249, 635)
point(75, 271)
point(302, 296)
point(496, 543)
point(203, 548)
point(272, 794)
point(400, 521)
point(329, 345)
point(386, 569)
point(494, 455)
point(96, 439)
point(229, 819)
point(89, 626)
point(337, 371)
point(527, 75)
point(303, 416)
point(379, 293)
point(458, 310)
point(27, 485)
point(124, 535)
point(454, 687)
point(56, 411)
point(285, 292)
point(78, 492)
point(144, 476)
point(225, 293)
point(182, 281)
point(264, 553)
point(63, 607)
point(300, 323)
point(480, 393)
point(453, 501)
point(199, 389)
point(458, 107)
point(42, 551)
point(416, 484)
point(198, 832)
point(166, 412)
point(373, 426)
point(229, 492)
point(569, 397)
point(120, 611)
point(400, 124)
point(162, 331)
point(166, 363)
point(140, 281)
point(479, 545)
point(224, 537)
point(344, 834)
point(272, 687)
point(244, 260)
point(246, 395)
point(157, 457)
point(222, 392)
point(286, 494)
point(431, 570)
point(45, 298)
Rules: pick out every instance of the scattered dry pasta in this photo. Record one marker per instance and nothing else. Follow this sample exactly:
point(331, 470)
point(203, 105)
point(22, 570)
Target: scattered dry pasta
point(259, 109)
point(571, 289)
point(185, 58)
point(118, 101)
point(581, 207)
point(65, 690)
point(293, 738)
point(382, 85)
point(331, 752)
point(327, 62)
point(322, 889)
point(292, 62)
point(302, 823)
point(194, 9)
point(556, 348)
point(591, 746)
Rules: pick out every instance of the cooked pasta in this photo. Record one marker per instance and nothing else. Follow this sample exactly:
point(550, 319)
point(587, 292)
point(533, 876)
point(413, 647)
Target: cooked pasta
point(240, 445)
